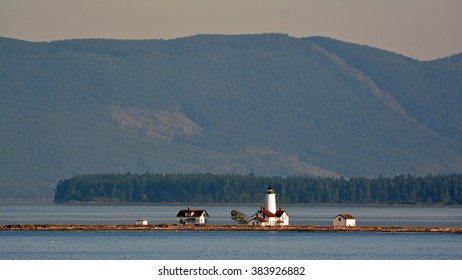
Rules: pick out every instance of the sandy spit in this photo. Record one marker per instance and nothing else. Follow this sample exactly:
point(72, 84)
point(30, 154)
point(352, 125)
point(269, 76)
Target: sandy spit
point(179, 227)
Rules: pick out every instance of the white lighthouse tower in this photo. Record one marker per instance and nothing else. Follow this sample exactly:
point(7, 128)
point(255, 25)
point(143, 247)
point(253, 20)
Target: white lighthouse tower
point(271, 200)
point(270, 216)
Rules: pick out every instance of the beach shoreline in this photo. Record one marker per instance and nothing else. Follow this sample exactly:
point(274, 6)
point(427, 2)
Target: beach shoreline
point(210, 227)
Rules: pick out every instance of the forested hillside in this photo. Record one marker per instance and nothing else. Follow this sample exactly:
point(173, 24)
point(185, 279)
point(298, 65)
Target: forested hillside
point(269, 104)
point(129, 188)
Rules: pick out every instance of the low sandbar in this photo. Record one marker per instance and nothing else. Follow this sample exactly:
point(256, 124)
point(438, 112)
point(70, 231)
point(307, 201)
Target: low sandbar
point(210, 227)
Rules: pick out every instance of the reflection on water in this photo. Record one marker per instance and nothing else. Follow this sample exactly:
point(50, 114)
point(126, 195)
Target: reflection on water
point(229, 245)
point(300, 214)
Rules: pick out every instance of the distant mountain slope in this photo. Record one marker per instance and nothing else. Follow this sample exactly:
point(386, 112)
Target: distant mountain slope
point(268, 104)
point(456, 58)
point(430, 92)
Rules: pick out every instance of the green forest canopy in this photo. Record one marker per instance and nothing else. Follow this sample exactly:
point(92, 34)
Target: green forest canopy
point(147, 187)
point(267, 104)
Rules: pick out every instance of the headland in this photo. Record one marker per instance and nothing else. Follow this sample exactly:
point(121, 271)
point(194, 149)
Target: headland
point(214, 227)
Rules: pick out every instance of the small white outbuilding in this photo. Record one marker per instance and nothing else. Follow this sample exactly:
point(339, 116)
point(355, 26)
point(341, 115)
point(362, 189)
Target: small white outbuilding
point(344, 220)
point(141, 222)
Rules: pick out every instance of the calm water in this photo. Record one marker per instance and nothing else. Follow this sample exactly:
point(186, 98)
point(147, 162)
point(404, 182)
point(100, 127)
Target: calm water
point(227, 245)
point(300, 214)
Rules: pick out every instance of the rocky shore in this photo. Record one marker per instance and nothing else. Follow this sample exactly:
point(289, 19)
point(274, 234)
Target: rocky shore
point(178, 227)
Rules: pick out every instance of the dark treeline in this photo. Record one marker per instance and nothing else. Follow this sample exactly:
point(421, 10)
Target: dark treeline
point(129, 187)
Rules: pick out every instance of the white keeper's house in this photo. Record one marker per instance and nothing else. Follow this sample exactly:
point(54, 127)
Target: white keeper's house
point(192, 217)
point(344, 220)
point(269, 216)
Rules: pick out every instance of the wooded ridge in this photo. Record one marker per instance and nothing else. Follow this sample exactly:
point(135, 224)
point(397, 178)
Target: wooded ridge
point(267, 104)
point(197, 188)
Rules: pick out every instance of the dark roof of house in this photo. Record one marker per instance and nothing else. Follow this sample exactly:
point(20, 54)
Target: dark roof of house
point(346, 216)
point(280, 212)
point(262, 220)
point(191, 213)
point(267, 213)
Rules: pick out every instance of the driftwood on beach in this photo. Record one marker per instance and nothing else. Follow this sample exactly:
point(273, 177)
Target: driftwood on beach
point(178, 227)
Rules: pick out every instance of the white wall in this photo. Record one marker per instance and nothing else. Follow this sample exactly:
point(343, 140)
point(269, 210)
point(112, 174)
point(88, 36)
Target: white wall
point(339, 221)
point(350, 223)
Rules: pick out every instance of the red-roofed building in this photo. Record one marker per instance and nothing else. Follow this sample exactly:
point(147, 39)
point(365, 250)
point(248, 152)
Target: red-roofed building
point(344, 220)
point(270, 216)
point(190, 216)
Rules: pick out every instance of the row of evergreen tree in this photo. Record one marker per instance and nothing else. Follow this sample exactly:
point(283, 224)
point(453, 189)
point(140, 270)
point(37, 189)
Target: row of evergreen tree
point(147, 187)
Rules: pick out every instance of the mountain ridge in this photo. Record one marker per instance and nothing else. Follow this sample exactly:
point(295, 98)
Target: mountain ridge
point(268, 104)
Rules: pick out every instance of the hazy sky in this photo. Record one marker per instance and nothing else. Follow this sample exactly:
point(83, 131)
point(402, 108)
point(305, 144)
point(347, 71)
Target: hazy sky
point(422, 29)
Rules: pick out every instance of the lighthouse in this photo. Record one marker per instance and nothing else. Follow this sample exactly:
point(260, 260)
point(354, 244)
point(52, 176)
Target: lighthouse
point(271, 200)
point(270, 216)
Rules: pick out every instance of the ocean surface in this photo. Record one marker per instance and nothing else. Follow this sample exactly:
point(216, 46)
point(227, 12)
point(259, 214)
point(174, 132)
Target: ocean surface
point(166, 245)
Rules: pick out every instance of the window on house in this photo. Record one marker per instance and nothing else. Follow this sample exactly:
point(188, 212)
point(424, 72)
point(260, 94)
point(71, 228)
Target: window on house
point(339, 219)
